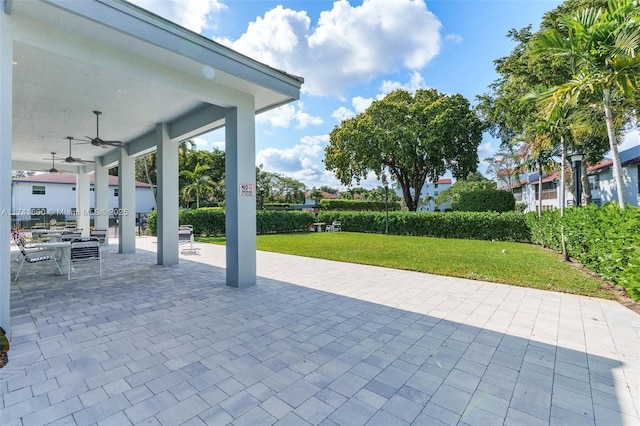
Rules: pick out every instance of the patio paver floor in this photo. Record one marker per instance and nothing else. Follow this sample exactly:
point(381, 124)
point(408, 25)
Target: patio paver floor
point(314, 342)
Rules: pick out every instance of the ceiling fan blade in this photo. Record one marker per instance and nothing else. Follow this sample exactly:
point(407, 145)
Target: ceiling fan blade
point(114, 143)
point(81, 161)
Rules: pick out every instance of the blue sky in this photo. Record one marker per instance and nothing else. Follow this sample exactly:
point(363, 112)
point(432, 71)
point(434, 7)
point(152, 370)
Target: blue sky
point(351, 53)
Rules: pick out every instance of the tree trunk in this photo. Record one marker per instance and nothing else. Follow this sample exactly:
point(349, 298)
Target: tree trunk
point(615, 156)
point(563, 178)
point(153, 188)
point(584, 178)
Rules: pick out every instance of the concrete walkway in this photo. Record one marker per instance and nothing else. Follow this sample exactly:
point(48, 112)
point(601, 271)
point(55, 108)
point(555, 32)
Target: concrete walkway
point(314, 342)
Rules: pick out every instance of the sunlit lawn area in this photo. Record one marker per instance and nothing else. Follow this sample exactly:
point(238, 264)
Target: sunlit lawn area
point(501, 262)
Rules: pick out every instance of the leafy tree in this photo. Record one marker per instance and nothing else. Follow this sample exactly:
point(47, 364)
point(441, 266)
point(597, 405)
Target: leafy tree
point(199, 183)
point(316, 194)
point(414, 138)
point(328, 189)
point(474, 182)
point(602, 46)
point(277, 188)
point(504, 167)
point(351, 193)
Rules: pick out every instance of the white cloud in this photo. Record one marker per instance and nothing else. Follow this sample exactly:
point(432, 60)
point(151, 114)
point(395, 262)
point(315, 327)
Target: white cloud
point(283, 116)
point(342, 113)
point(195, 15)
point(299, 162)
point(453, 38)
point(201, 143)
point(349, 44)
point(416, 81)
point(359, 104)
point(630, 140)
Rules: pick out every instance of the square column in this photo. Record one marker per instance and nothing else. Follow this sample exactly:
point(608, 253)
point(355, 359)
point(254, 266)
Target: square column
point(240, 167)
point(126, 203)
point(83, 205)
point(101, 195)
point(6, 108)
point(167, 197)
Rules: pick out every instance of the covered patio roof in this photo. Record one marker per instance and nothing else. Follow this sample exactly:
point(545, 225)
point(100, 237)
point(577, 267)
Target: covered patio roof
point(71, 58)
point(155, 84)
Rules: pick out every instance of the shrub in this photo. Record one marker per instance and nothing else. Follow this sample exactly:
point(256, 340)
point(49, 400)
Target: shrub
point(211, 221)
point(603, 239)
point(356, 205)
point(471, 225)
point(487, 200)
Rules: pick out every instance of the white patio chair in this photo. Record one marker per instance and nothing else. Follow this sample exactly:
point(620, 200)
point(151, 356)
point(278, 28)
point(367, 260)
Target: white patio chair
point(185, 236)
point(83, 252)
point(335, 226)
point(34, 256)
point(101, 235)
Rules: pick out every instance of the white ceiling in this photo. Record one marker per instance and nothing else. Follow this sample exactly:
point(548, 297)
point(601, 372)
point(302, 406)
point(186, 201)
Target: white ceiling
point(66, 65)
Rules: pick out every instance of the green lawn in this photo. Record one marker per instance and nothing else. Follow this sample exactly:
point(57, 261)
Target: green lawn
point(501, 262)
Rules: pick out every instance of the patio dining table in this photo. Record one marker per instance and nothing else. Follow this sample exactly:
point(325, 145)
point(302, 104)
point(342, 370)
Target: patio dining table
point(63, 247)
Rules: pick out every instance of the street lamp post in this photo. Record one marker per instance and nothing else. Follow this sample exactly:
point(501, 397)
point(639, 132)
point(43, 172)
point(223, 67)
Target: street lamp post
point(576, 163)
point(262, 199)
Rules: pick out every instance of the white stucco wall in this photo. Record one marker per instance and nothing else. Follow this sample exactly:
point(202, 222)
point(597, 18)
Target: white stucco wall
point(60, 198)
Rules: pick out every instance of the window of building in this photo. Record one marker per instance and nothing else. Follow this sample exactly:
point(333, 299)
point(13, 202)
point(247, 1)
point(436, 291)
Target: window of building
point(115, 192)
point(594, 182)
point(435, 185)
point(435, 193)
point(38, 190)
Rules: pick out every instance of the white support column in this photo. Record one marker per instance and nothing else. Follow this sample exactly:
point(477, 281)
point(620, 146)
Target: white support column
point(101, 195)
point(6, 106)
point(126, 203)
point(83, 202)
point(240, 167)
point(167, 180)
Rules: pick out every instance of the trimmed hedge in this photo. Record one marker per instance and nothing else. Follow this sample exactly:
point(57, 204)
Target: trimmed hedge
point(487, 200)
point(211, 221)
point(606, 240)
point(509, 226)
point(356, 205)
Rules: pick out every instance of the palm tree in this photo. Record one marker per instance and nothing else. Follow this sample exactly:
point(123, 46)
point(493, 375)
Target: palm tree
point(199, 183)
point(602, 45)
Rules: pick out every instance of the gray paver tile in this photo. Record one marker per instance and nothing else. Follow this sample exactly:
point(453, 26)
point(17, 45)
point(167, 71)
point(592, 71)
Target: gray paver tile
point(354, 346)
point(314, 411)
point(435, 411)
point(182, 411)
point(385, 418)
point(453, 399)
point(353, 412)
point(402, 408)
point(53, 412)
point(239, 403)
point(298, 392)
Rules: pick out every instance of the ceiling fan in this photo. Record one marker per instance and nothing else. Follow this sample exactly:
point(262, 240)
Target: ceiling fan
point(53, 164)
point(70, 159)
point(97, 141)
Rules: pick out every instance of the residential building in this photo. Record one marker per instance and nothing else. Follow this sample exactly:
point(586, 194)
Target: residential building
point(429, 194)
point(601, 184)
point(32, 197)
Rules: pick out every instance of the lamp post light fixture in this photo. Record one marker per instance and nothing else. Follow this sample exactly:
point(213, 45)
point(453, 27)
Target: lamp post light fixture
point(576, 164)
